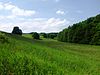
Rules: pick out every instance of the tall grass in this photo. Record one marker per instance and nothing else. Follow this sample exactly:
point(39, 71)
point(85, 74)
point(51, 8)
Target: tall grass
point(24, 56)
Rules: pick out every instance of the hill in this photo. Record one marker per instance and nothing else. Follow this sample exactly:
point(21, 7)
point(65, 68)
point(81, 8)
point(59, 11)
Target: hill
point(25, 56)
point(85, 32)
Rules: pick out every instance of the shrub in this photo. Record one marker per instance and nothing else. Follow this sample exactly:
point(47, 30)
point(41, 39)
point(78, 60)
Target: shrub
point(3, 38)
point(16, 30)
point(52, 35)
point(36, 35)
point(44, 35)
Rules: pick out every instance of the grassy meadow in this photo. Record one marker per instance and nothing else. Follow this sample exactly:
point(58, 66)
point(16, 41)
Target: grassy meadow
point(25, 56)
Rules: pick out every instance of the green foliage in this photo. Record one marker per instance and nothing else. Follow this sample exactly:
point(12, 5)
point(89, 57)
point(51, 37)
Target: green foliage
point(35, 35)
point(96, 38)
point(62, 35)
point(17, 31)
point(3, 38)
point(49, 35)
point(52, 35)
point(85, 32)
point(44, 35)
point(48, 57)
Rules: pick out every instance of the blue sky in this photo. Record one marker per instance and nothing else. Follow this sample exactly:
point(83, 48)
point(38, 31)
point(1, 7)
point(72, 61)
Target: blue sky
point(45, 15)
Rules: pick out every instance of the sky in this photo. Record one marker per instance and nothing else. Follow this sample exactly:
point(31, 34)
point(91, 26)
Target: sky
point(45, 15)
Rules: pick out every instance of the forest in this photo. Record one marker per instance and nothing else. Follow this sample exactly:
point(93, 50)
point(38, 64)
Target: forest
point(85, 32)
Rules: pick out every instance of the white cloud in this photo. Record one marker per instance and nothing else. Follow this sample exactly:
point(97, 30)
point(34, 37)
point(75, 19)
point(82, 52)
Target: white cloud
point(9, 6)
point(15, 10)
point(29, 24)
point(2, 17)
point(21, 12)
point(6, 27)
point(1, 6)
point(60, 12)
point(37, 24)
point(44, 25)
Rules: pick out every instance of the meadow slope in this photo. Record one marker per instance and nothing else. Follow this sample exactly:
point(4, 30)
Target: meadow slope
point(25, 56)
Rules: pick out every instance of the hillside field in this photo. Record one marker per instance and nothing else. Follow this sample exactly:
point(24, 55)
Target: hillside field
point(25, 56)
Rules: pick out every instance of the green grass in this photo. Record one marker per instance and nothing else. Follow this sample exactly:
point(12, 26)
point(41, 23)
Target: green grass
point(25, 56)
point(27, 35)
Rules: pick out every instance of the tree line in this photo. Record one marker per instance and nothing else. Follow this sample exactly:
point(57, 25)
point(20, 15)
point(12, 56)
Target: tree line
point(49, 35)
point(85, 32)
point(35, 35)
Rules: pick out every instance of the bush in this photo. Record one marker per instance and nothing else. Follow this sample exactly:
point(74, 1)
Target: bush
point(36, 35)
point(44, 35)
point(3, 38)
point(52, 35)
point(16, 30)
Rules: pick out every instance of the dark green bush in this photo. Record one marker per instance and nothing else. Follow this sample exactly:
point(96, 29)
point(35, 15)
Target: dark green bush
point(17, 31)
point(36, 35)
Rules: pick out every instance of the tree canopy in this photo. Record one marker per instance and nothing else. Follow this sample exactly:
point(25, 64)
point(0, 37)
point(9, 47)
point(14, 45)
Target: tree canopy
point(85, 32)
point(16, 30)
point(35, 35)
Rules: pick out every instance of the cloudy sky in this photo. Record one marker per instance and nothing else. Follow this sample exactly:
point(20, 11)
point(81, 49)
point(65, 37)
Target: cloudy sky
point(45, 15)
